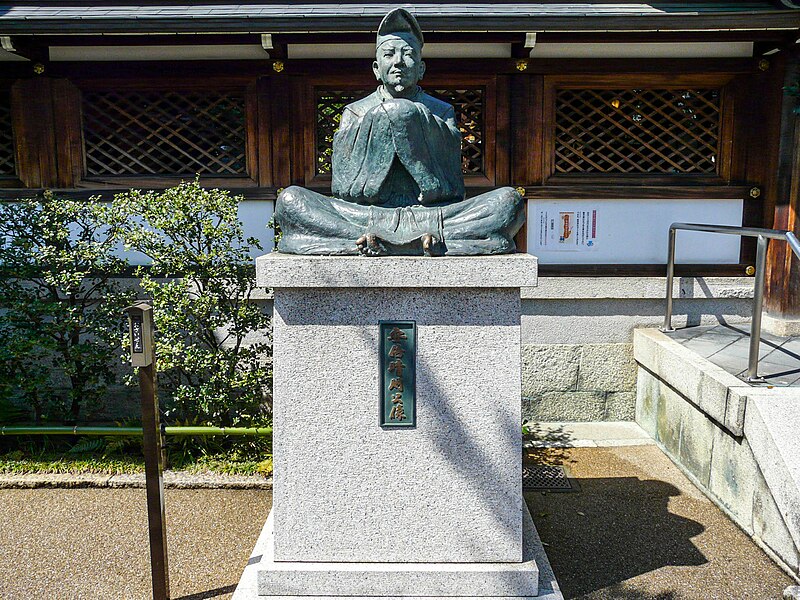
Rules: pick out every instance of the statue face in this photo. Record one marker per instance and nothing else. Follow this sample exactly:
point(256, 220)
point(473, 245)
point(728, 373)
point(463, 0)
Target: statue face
point(399, 66)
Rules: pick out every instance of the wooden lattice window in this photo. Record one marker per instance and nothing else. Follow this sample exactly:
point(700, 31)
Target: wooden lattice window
point(168, 133)
point(7, 167)
point(469, 107)
point(468, 103)
point(637, 131)
point(330, 104)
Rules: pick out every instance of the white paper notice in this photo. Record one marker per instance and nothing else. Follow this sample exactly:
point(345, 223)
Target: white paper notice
point(566, 230)
point(630, 230)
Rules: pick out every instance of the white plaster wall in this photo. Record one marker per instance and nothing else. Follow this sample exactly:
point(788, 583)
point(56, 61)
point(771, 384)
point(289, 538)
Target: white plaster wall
point(571, 310)
point(636, 231)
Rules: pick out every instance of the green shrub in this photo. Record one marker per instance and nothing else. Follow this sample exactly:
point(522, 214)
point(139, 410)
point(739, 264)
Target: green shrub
point(60, 309)
point(200, 283)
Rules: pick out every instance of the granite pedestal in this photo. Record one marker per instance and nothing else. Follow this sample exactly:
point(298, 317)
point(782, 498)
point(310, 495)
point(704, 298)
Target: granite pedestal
point(431, 510)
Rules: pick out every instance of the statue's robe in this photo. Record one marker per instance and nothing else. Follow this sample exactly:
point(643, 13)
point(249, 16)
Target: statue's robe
point(397, 175)
point(395, 153)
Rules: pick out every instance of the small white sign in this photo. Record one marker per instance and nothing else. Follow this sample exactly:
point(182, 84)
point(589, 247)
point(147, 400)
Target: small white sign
point(630, 231)
point(567, 229)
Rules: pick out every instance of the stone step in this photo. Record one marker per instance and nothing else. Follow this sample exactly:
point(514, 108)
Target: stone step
point(531, 579)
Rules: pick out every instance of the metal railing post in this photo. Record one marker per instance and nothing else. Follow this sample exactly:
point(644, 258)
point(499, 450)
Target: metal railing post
point(764, 236)
point(670, 276)
point(758, 302)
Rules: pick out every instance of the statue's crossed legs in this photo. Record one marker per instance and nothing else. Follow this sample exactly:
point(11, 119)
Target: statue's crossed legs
point(312, 223)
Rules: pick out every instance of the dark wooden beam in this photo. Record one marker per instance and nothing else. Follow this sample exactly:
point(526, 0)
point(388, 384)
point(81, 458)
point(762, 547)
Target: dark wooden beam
point(517, 38)
point(11, 71)
point(647, 270)
point(107, 192)
point(611, 37)
point(173, 39)
point(610, 191)
point(244, 69)
point(32, 48)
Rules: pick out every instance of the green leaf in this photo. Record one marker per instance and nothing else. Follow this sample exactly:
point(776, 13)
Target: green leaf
point(88, 445)
point(200, 284)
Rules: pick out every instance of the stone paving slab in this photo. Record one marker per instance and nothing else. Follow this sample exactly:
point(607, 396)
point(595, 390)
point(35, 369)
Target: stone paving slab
point(728, 347)
point(587, 435)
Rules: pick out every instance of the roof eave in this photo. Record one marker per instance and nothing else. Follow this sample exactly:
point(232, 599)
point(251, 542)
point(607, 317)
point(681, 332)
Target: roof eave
point(775, 20)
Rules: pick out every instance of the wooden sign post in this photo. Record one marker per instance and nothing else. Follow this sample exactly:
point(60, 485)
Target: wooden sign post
point(140, 327)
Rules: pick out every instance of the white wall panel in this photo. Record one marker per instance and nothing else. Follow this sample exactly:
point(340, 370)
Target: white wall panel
point(636, 231)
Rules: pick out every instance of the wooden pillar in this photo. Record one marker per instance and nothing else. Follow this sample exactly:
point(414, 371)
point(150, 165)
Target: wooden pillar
point(281, 119)
point(46, 116)
point(782, 301)
point(525, 139)
point(259, 132)
point(34, 132)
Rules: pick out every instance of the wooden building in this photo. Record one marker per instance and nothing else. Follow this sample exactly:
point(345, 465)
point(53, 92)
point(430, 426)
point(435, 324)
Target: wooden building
point(624, 115)
point(662, 102)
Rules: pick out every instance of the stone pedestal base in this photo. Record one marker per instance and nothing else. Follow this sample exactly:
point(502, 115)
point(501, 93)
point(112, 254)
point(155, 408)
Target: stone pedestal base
point(447, 490)
point(780, 326)
point(264, 578)
point(431, 510)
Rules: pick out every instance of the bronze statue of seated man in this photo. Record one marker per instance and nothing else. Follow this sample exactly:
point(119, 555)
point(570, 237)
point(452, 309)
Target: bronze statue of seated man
point(397, 181)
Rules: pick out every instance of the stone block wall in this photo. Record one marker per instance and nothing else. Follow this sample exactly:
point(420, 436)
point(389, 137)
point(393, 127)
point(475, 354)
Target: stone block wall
point(577, 337)
point(722, 465)
point(578, 382)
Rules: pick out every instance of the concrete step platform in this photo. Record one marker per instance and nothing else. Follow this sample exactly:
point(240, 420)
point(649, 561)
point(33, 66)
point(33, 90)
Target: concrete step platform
point(532, 578)
point(771, 427)
point(590, 434)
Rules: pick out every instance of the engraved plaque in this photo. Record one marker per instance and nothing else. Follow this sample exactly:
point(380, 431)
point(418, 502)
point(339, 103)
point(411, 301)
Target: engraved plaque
point(398, 353)
point(137, 343)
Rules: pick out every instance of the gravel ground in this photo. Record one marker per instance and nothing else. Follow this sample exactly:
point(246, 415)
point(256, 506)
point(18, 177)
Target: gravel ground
point(92, 543)
point(636, 530)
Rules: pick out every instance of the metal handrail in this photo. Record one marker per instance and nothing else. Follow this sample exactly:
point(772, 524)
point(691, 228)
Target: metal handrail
point(763, 235)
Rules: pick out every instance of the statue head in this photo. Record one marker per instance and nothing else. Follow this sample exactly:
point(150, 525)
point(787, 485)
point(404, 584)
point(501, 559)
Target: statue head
point(398, 53)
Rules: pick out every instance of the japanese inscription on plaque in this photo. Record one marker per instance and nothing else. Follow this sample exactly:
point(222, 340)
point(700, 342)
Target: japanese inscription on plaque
point(398, 348)
point(137, 342)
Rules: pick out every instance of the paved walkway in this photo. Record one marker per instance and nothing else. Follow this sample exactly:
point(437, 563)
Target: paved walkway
point(639, 530)
point(728, 346)
point(636, 530)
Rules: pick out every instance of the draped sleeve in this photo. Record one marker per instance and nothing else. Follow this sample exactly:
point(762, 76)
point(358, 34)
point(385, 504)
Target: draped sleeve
point(429, 147)
point(397, 134)
point(363, 153)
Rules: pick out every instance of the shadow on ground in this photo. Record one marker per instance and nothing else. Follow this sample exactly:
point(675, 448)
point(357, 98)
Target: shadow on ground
point(614, 529)
point(215, 593)
point(546, 446)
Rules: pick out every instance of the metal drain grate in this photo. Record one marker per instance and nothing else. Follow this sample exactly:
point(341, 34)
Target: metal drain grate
point(545, 477)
